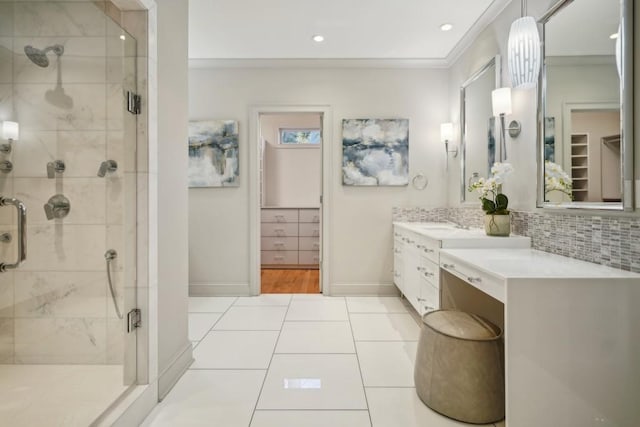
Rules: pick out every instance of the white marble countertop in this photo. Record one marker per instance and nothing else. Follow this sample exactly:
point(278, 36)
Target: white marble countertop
point(531, 264)
point(448, 231)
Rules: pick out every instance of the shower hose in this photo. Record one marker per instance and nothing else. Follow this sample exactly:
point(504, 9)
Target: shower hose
point(109, 256)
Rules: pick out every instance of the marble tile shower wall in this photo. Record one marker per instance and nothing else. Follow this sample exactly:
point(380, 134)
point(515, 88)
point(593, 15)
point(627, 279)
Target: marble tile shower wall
point(57, 308)
point(612, 241)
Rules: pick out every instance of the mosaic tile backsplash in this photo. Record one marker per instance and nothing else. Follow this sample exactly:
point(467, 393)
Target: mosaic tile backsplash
point(612, 241)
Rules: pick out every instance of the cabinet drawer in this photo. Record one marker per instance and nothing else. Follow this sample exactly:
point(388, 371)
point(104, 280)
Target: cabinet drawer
point(428, 271)
point(309, 243)
point(309, 229)
point(279, 243)
point(429, 296)
point(429, 249)
point(274, 229)
point(309, 257)
point(309, 215)
point(279, 215)
point(279, 257)
point(487, 283)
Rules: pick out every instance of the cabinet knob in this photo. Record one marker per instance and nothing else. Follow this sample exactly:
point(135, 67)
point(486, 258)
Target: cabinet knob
point(428, 274)
point(397, 251)
point(427, 250)
point(474, 279)
point(450, 266)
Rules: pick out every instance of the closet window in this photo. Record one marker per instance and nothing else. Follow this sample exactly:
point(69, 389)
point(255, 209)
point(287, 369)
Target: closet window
point(300, 137)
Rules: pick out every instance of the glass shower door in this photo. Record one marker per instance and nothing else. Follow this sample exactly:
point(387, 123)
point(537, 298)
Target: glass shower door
point(65, 349)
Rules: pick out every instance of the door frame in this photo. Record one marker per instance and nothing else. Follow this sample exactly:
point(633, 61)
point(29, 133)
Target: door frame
point(255, 152)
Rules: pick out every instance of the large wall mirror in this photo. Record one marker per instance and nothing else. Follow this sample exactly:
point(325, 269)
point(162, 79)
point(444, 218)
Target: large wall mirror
point(585, 117)
point(477, 126)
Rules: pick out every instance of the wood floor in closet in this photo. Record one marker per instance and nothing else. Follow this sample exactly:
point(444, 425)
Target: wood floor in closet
point(290, 281)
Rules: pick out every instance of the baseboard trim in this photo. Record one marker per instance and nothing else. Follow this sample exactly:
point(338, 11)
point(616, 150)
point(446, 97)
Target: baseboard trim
point(364, 289)
point(132, 409)
point(170, 376)
point(219, 290)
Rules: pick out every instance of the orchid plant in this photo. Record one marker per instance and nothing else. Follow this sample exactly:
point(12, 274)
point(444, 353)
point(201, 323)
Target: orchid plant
point(494, 202)
point(556, 179)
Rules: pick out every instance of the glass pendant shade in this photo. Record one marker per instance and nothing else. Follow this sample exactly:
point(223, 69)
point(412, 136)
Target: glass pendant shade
point(524, 52)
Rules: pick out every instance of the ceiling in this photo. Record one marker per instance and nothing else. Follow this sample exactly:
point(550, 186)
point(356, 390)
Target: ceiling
point(353, 29)
point(583, 28)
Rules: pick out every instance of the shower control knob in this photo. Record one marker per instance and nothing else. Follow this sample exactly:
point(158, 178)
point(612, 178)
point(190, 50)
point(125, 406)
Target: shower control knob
point(107, 166)
point(57, 207)
point(57, 166)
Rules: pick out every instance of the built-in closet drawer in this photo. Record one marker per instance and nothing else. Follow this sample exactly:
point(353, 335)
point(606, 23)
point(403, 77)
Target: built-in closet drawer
point(279, 243)
point(279, 257)
point(274, 229)
point(309, 215)
point(279, 215)
point(285, 229)
point(309, 229)
point(308, 257)
point(309, 244)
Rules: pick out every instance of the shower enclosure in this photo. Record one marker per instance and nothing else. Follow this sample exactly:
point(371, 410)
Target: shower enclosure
point(68, 204)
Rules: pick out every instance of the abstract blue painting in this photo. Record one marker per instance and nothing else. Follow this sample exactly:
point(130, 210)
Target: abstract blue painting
point(375, 152)
point(550, 139)
point(213, 153)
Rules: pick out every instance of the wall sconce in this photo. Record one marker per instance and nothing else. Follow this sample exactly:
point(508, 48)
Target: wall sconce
point(501, 102)
point(523, 50)
point(10, 132)
point(446, 135)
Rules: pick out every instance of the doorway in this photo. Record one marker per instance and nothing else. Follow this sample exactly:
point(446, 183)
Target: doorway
point(290, 188)
point(289, 222)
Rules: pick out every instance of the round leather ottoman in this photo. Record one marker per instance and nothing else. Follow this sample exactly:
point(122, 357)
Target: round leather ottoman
point(459, 368)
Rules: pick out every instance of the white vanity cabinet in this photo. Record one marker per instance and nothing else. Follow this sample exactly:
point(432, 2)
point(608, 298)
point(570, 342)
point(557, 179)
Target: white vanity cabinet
point(571, 336)
point(416, 257)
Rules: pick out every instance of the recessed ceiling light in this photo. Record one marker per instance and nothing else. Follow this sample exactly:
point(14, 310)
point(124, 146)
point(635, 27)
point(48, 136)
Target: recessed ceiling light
point(122, 37)
point(446, 27)
point(318, 38)
point(613, 36)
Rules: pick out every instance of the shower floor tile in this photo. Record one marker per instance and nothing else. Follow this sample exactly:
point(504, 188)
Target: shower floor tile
point(47, 395)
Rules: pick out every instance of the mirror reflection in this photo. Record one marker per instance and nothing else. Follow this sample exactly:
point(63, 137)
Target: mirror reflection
point(581, 105)
point(478, 126)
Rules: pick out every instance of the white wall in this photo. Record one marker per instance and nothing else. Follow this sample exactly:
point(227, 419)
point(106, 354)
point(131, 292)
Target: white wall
point(174, 347)
point(291, 174)
point(521, 186)
point(360, 217)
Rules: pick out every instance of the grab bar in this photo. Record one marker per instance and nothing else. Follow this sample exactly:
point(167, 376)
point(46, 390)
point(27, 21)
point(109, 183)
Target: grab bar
point(109, 256)
point(22, 231)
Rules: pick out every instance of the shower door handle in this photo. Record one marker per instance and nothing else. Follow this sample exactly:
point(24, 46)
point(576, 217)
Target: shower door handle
point(22, 231)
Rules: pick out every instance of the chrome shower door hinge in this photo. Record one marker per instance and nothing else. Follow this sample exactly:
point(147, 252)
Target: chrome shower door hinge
point(134, 103)
point(134, 319)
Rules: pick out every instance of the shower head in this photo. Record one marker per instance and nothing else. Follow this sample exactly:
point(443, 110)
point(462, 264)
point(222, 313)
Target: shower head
point(39, 56)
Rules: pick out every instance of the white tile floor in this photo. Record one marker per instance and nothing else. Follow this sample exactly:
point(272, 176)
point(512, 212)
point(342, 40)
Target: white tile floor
point(301, 360)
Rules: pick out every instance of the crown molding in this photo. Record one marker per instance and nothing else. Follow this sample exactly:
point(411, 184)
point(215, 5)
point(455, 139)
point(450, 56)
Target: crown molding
point(487, 17)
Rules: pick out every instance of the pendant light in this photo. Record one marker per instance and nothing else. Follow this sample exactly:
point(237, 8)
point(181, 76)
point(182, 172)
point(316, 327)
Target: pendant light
point(523, 51)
